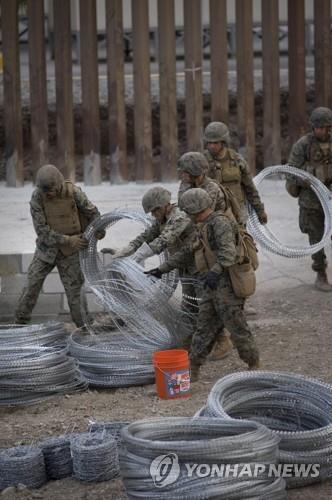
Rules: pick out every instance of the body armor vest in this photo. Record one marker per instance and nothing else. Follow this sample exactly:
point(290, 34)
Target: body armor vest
point(226, 171)
point(62, 214)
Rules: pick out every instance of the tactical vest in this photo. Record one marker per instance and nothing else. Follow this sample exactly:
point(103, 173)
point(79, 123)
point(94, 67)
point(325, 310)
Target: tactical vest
point(319, 161)
point(181, 238)
point(242, 274)
point(226, 171)
point(62, 214)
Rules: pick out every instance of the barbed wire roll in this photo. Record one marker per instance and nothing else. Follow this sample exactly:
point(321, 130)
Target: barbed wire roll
point(50, 334)
point(22, 465)
point(30, 374)
point(57, 456)
point(296, 408)
point(111, 428)
point(265, 237)
point(95, 457)
point(185, 441)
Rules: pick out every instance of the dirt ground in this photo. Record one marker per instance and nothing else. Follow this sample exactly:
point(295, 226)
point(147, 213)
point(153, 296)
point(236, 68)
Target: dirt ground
point(293, 333)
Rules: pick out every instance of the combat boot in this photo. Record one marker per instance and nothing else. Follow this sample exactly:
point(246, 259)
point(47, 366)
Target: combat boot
point(254, 364)
point(222, 348)
point(322, 283)
point(194, 372)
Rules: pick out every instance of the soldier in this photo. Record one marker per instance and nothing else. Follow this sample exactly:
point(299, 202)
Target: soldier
point(230, 169)
point(170, 230)
point(193, 168)
point(313, 153)
point(60, 212)
point(214, 252)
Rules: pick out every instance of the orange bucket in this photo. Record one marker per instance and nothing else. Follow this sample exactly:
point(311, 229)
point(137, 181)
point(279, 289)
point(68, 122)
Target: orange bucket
point(172, 370)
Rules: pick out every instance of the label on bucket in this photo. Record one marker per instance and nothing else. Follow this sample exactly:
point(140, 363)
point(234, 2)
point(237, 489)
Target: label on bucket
point(178, 382)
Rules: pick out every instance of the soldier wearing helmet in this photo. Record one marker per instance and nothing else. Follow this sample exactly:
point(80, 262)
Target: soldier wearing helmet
point(214, 251)
point(170, 230)
point(193, 168)
point(313, 153)
point(60, 212)
point(230, 169)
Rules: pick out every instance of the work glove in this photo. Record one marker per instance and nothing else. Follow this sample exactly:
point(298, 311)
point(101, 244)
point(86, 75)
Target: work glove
point(108, 250)
point(142, 253)
point(262, 217)
point(100, 234)
point(211, 280)
point(155, 272)
point(77, 242)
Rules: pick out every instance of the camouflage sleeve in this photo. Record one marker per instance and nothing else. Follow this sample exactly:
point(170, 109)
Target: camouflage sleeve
point(150, 234)
point(249, 187)
point(297, 158)
point(45, 234)
point(171, 233)
point(217, 196)
point(183, 258)
point(221, 237)
point(184, 186)
point(84, 205)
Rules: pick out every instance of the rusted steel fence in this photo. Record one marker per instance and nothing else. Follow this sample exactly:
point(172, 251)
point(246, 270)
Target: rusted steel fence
point(166, 54)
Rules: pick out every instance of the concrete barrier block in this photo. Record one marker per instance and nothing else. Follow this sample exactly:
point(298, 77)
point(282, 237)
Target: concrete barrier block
point(53, 284)
point(8, 303)
point(26, 261)
point(13, 284)
point(10, 264)
point(48, 304)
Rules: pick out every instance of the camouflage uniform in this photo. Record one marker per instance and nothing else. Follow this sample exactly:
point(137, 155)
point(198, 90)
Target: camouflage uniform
point(49, 255)
point(220, 306)
point(314, 156)
point(229, 169)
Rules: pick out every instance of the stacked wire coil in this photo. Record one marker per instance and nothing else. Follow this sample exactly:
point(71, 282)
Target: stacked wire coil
point(263, 235)
point(296, 408)
point(95, 457)
point(57, 456)
point(158, 454)
point(22, 465)
point(136, 305)
point(34, 364)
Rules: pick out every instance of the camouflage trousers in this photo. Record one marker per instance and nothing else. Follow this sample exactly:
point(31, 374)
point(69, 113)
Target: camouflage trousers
point(218, 309)
point(312, 223)
point(72, 280)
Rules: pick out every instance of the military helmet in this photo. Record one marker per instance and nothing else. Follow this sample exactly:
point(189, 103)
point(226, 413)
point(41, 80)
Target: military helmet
point(216, 132)
point(194, 201)
point(156, 197)
point(49, 178)
point(321, 117)
point(194, 163)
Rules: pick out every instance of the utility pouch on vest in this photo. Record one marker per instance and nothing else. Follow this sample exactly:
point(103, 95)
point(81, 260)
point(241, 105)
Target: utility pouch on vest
point(243, 279)
point(247, 250)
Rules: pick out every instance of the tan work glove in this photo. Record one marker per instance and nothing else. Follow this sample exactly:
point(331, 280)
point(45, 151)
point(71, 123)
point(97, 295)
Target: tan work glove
point(100, 234)
point(77, 242)
point(262, 217)
point(124, 252)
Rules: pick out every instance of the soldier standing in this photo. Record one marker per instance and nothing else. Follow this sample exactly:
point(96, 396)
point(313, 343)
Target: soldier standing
point(230, 169)
point(214, 252)
point(58, 208)
point(313, 153)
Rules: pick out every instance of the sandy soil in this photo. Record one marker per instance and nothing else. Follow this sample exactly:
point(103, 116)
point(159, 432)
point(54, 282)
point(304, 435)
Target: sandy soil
point(293, 334)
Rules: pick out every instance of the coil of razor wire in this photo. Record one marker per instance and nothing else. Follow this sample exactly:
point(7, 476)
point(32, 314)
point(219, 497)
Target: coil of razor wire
point(22, 465)
point(296, 408)
point(49, 334)
point(265, 237)
point(57, 456)
point(95, 457)
point(156, 454)
point(111, 428)
point(37, 373)
point(137, 306)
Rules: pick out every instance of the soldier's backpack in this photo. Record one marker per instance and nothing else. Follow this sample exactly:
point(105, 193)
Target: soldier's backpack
point(242, 274)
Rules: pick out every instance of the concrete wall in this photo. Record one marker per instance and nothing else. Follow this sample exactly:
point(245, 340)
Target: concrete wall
point(52, 300)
